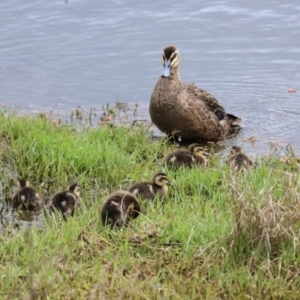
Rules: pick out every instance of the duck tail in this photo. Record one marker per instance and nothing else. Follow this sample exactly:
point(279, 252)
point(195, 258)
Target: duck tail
point(233, 120)
point(230, 123)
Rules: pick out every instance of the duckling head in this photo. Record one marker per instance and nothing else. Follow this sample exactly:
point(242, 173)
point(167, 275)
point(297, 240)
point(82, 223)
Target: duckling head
point(170, 60)
point(161, 179)
point(235, 150)
point(75, 190)
point(198, 151)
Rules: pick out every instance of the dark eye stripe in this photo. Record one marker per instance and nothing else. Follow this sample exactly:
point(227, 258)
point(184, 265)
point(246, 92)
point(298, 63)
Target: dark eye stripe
point(173, 56)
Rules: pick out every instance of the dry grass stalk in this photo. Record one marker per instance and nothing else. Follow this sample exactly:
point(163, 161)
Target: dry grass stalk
point(263, 219)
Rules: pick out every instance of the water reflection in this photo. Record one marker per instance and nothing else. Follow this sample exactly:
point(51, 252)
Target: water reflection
point(19, 219)
point(58, 56)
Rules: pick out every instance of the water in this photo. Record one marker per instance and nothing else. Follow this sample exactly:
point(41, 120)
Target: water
point(56, 56)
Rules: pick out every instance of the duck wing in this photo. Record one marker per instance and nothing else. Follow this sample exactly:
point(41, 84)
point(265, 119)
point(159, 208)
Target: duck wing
point(205, 97)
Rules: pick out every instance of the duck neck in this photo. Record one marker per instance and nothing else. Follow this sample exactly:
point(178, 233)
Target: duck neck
point(175, 74)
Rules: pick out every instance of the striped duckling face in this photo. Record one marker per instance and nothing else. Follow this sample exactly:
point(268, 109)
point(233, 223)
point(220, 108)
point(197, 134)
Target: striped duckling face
point(170, 60)
point(161, 179)
point(75, 190)
point(198, 151)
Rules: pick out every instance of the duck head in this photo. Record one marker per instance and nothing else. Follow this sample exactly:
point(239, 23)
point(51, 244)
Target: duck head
point(161, 179)
point(170, 60)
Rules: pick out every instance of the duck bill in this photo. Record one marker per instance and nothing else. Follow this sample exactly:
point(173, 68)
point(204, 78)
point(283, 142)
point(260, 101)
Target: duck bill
point(206, 154)
point(167, 70)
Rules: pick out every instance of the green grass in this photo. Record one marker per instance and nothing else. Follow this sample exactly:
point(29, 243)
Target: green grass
point(215, 236)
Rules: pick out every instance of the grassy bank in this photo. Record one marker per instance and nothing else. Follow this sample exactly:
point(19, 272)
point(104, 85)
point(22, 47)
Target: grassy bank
point(215, 236)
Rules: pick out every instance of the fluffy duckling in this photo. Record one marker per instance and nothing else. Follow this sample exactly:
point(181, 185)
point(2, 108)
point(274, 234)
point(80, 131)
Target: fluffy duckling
point(185, 111)
point(66, 201)
point(238, 160)
point(26, 197)
point(119, 209)
point(148, 190)
point(195, 155)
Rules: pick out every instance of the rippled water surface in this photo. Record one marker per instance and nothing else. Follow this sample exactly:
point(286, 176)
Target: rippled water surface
point(57, 56)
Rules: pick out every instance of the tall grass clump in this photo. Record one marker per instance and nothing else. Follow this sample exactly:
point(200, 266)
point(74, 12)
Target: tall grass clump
point(269, 218)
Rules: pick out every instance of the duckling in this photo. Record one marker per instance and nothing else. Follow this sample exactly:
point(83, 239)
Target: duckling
point(148, 190)
point(119, 209)
point(184, 111)
point(195, 155)
point(66, 201)
point(238, 160)
point(26, 197)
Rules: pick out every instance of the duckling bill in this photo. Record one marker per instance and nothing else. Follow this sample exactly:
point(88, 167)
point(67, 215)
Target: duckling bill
point(149, 190)
point(26, 197)
point(119, 209)
point(195, 155)
point(66, 201)
point(184, 111)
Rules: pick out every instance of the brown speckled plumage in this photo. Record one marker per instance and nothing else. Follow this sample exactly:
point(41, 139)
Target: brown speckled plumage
point(184, 110)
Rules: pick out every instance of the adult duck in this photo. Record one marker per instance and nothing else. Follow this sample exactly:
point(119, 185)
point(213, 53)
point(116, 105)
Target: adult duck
point(185, 111)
